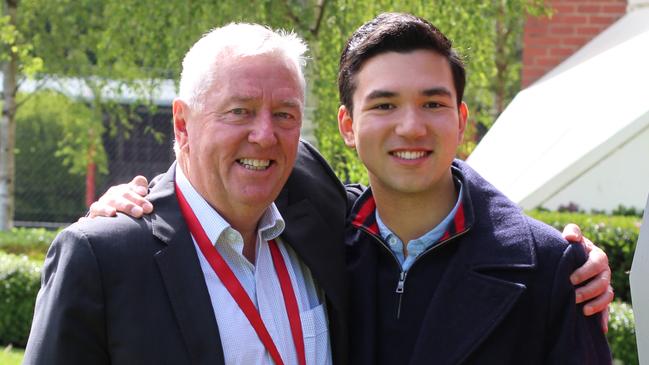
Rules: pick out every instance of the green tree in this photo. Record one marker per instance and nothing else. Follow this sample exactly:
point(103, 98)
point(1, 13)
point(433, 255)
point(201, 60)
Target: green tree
point(17, 61)
point(110, 45)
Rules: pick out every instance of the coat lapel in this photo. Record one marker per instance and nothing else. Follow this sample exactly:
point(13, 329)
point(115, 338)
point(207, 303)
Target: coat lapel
point(470, 298)
point(180, 270)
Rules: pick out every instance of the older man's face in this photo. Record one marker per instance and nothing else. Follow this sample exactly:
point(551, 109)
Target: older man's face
point(241, 147)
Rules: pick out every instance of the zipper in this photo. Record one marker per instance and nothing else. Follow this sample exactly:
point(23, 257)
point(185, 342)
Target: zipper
point(400, 286)
point(401, 282)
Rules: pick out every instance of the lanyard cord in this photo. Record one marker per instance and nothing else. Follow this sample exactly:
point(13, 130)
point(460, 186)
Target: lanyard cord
point(237, 292)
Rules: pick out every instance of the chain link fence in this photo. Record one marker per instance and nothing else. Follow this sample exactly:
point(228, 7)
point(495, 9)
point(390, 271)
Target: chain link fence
point(47, 194)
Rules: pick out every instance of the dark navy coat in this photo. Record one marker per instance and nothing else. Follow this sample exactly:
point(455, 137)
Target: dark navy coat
point(494, 290)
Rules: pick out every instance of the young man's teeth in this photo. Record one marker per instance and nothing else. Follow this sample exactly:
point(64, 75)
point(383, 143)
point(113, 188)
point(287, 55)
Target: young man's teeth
point(252, 164)
point(410, 155)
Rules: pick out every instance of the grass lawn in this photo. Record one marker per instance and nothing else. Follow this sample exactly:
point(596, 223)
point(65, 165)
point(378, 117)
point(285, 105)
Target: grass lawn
point(11, 356)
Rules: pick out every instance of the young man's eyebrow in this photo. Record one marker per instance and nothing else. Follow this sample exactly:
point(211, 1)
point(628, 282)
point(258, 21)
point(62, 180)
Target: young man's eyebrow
point(377, 94)
point(437, 91)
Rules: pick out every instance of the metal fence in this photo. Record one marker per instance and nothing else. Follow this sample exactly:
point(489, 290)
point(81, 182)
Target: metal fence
point(49, 195)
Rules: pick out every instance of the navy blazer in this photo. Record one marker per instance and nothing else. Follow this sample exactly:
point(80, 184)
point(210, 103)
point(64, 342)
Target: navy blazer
point(131, 291)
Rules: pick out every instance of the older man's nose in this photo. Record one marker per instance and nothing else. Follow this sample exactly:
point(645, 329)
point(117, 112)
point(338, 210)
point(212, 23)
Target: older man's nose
point(263, 131)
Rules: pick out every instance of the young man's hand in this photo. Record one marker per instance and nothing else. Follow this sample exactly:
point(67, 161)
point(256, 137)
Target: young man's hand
point(126, 198)
point(598, 292)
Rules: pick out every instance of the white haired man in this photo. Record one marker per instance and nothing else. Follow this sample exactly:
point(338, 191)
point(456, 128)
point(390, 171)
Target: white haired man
point(218, 273)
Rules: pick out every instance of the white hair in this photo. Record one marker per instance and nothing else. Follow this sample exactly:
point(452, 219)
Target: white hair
point(234, 40)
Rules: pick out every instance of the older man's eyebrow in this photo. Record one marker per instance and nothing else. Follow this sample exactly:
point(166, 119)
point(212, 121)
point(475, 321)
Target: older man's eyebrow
point(378, 94)
point(437, 91)
point(290, 104)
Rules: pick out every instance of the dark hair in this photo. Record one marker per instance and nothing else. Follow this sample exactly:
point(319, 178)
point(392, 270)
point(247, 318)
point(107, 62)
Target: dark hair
point(394, 32)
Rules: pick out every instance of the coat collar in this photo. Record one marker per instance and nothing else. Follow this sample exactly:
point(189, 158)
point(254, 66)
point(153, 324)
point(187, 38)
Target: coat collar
point(363, 214)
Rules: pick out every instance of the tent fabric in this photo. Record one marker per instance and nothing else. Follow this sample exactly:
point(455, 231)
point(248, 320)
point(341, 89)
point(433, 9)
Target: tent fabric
point(574, 118)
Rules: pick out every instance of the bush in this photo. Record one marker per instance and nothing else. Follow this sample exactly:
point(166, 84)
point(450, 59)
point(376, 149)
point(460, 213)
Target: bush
point(32, 242)
point(621, 333)
point(616, 235)
point(19, 284)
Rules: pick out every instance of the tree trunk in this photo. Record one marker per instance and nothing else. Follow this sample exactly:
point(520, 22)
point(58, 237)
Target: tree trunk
point(8, 128)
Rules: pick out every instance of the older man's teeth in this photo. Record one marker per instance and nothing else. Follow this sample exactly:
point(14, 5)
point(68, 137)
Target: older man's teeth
point(409, 155)
point(253, 164)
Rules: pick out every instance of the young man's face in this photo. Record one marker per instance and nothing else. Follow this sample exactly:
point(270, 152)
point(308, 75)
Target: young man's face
point(406, 124)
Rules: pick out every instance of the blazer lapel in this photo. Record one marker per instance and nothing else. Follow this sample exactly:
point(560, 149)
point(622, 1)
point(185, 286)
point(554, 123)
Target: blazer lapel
point(182, 276)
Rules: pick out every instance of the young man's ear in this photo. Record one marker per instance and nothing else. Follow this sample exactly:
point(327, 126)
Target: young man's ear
point(180, 113)
point(463, 114)
point(345, 126)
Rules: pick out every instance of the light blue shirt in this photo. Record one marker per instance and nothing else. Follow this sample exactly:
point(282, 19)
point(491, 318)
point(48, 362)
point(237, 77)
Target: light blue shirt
point(241, 345)
point(418, 245)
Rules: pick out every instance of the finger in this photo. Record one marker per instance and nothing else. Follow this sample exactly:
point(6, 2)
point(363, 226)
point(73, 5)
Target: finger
point(140, 185)
point(595, 287)
point(605, 320)
point(597, 263)
point(572, 232)
point(600, 303)
point(129, 203)
point(140, 205)
point(98, 209)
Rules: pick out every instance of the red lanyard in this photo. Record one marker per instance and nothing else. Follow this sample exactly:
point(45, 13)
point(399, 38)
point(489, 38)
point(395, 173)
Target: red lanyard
point(240, 296)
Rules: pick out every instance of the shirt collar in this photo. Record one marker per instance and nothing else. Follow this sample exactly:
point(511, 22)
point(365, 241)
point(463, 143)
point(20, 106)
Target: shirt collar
point(427, 239)
point(270, 226)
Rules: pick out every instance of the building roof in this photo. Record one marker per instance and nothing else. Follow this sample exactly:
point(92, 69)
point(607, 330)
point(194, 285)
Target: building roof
point(572, 118)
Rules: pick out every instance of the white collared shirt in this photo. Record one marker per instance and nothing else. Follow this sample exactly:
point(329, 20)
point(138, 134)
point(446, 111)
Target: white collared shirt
point(240, 342)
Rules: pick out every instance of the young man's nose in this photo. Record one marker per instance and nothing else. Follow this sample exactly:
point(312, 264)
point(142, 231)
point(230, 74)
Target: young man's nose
point(411, 124)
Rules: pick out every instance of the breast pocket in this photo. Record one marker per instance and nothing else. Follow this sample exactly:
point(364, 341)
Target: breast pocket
point(316, 336)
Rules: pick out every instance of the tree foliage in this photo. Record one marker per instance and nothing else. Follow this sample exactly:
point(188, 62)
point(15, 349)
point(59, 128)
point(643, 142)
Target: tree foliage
point(111, 45)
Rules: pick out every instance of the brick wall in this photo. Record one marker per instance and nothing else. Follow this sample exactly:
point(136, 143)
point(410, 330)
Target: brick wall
point(549, 41)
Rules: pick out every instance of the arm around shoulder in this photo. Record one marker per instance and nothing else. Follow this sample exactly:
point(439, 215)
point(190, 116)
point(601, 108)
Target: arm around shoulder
point(69, 318)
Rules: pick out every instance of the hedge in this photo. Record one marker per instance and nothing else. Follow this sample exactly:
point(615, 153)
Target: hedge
point(621, 333)
point(32, 242)
point(616, 235)
point(19, 284)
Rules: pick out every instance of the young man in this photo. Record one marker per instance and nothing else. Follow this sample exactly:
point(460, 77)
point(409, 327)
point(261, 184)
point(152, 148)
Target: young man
point(402, 110)
point(442, 267)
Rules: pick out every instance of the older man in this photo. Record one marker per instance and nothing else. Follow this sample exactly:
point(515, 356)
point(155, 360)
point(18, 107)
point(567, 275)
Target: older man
point(217, 274)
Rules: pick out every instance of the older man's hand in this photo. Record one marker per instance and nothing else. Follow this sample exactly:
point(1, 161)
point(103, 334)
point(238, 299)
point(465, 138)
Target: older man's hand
point(598, 292)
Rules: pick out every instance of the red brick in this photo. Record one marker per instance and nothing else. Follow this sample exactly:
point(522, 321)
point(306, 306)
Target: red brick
point(562, 30)
point(547, 61)
point(571, 19)
point(589, 8)
point(574, 41)
point(589, 30)
point(535, 51)
point(619, 9)
point(595, 19)
point(563, 8)
point(547, 41)
point(561, 52)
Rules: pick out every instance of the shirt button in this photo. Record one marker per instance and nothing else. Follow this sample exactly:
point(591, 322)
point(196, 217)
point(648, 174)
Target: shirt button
point(392, 241)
